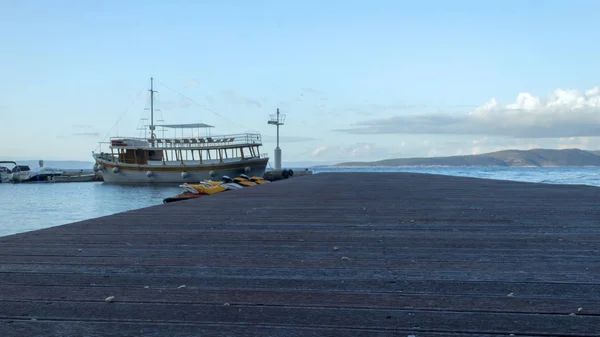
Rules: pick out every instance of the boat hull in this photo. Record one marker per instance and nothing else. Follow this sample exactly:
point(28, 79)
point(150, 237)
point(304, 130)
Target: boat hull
point(40, 178)
point(141, 174)
point(73, 178)
point(19, 177)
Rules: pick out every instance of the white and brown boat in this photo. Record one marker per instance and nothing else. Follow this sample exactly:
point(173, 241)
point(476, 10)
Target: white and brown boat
point(182, 159)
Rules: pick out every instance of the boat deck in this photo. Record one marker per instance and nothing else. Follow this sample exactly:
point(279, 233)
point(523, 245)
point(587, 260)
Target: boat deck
point(344, 254)
point(232, 141)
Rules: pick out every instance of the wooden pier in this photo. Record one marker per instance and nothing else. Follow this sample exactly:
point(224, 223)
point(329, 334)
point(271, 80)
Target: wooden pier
point(343, 254)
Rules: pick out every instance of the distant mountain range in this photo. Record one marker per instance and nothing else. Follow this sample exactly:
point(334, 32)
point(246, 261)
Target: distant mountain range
point(535, 157)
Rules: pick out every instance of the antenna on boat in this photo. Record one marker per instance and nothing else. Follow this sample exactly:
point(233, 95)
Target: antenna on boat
point(277, 120)
point(152, 127)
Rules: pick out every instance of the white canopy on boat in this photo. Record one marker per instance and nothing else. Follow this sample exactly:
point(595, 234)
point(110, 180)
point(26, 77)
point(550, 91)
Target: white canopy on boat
point(186, 126)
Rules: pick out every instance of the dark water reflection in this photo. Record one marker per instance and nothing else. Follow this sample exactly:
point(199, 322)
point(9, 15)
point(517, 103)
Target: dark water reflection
point(26, 207)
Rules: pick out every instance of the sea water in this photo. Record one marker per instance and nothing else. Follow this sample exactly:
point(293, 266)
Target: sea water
point(550, 175)
point(31, 206)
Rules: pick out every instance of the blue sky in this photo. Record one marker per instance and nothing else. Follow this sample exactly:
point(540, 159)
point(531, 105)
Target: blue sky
point(358, 80)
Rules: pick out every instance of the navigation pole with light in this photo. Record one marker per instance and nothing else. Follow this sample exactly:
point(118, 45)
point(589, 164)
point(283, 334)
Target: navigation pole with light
point(277, 119)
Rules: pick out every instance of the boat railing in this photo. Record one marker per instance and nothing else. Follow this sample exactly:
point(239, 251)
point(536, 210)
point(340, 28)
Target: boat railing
point(170, 142)
point(106, 156)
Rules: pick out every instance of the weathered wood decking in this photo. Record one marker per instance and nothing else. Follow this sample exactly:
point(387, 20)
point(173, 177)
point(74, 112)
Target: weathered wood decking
point(339, 254)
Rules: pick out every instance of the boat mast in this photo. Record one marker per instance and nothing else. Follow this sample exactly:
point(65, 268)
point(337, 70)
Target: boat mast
point(152, 127)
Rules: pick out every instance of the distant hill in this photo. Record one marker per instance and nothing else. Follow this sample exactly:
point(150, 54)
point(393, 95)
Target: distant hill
point(536, 157)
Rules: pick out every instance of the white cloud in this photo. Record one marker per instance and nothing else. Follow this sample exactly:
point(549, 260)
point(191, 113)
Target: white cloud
point(565, 113)
point(319, 151)
point(412, 146)
point(583, 143)
point(361, 150)
point(287, 139)
point(357, 151)
point(233, 97)
point(87, 134)
point(182, 103)
point(190, 83)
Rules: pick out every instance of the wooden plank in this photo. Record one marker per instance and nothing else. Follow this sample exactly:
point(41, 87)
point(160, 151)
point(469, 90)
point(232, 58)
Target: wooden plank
point(398, 286)
point(16, 255)
point(300, 272)
point(303, 298)
point(414, 255)
point(153, 329)
point(327, 261)
point(387, 319)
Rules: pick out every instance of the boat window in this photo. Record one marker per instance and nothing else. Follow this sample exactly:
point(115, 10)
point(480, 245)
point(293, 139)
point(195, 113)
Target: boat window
point(155, 155)
point(20, 168)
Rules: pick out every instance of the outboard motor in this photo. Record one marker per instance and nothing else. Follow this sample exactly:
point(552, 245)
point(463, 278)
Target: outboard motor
point(244, 176)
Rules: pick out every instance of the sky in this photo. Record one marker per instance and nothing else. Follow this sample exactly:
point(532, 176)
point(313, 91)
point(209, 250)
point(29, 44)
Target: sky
point(357, 80)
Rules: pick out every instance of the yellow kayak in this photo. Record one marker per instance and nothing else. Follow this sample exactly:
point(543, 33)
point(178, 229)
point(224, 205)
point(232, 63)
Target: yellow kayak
point(259, 180)
point(255, 179)
point(244, 182)
point(226, 179)
point(212, 182)
point(203, 189)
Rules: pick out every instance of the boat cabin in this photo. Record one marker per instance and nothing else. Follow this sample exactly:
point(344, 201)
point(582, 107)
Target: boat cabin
point(20, 168)
point(185, 150)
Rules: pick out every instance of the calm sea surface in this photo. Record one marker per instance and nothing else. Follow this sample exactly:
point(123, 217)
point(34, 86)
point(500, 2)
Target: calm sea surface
point(26, 207)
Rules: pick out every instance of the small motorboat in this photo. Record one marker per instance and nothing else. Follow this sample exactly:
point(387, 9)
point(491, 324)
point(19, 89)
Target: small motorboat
point(5, 171)
point(43, 174)
point(74, 178)
point(17, 174)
